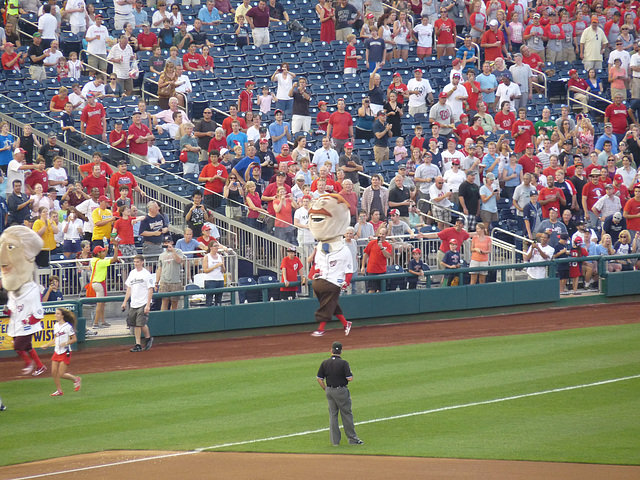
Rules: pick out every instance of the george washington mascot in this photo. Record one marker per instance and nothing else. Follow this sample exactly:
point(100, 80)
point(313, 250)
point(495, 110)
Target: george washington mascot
point(328, 219)
point(18, 249)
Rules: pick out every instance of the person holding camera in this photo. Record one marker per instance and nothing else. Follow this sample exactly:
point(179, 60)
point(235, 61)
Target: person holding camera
point(168, 277)
point(374, 259)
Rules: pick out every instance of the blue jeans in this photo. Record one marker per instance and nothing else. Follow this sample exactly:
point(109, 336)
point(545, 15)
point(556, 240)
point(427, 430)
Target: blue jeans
point(218, 296)
point(286, 106)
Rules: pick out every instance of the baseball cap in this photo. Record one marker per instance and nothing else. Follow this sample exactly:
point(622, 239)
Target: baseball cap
point(573, 71)
point(98, 249)
point(249, 82)
point(263, 130)
point(416, 250)
point(536, 15)
point(456, 61)
point(554, 209)
point(291, 162)
point(322, 102)
point(563, 236)
point(453, 242)
point(617, 216)
point(456, 75)
point(402, 166)
point(381, 113)
point(529, 145)
point(567, 142)
point(277, 112)
point(19, 150)
point(493, 23)
point(618, 178)
point(299, 177)
point(580, 222)
point(578, 164)
point(455, 161)
point(9, 44)
point(104, 198)
point(471, 173)
point(281, 174)
point(224, 151)
point(145, 24)
point(53, 135)
point(206, 228)
point(37, 34)
point(264, 140)
point(443, 95)
point(308, 197)
point(594, 173)
point(397, 74)
point(538, 165)
point(608, 124)
point(577, 241)
point(348, 145)
point(418, 70)
point(90, 95)
point(464, 115)
point(291, 249)
point(394, 211)
point(460, 219)
point(609, 185)
point(370, 15)
point(336, 348)
point(99, 15)
point(285, 146)
point(594, 18)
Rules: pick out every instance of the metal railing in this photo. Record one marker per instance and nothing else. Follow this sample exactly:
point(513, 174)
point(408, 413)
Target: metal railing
point(544, 79)
point(76, 273)
point(588, 94)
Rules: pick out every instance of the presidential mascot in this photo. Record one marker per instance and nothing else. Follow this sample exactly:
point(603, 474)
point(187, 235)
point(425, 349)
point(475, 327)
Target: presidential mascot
point(19, 246)
point(328, 219)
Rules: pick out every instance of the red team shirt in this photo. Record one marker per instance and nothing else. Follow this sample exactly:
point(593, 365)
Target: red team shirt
point(505, 122)
point(292, 267)
point(217, 185)
point(105, 169)
point(92, 118)
point(526, 137)
point(350, 62)
point(593, 194)
point(340, 123)
point(617, 115)
point(377, 262)
point(447, 31)
point(548, 193)
point(192, 62)
point(246, 99)
point(632, 207)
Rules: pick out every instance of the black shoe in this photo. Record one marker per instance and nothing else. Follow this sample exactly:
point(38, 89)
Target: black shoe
point(137, 348)
point(357, 442)
point(148, 343)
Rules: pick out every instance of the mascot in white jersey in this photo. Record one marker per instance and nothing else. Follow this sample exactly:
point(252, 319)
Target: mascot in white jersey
point(328, 219)
point(19, 246)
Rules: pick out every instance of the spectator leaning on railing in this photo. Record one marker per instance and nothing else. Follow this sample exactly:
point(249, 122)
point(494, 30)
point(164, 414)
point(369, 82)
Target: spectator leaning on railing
point(152, 228)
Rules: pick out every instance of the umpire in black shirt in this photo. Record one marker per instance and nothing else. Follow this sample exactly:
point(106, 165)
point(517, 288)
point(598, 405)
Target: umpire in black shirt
point(338, 374)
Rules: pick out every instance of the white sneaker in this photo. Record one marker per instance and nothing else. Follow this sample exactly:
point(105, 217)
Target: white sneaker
point(347, 329)
point(317, 333)
point(29, 368)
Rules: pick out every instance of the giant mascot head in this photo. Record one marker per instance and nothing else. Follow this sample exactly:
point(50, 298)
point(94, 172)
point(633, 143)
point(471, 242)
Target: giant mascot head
point(328, 217)
point(19, 246)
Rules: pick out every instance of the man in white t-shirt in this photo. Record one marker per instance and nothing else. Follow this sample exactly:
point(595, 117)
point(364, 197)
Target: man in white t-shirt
point(47, 26)
point(121, 55)
point(96, 38)
point(456, 94)
point(54, 55)
point(85, 211)
point(96, 87)
point(507, 91)
point(77, 100)
point(140, 285)
point(16, 168)
point(635, 70)
point(449, 155)
point(124, 13)
point(77, 12)
point(441, 195)
point(418, 89)
point(58, 177)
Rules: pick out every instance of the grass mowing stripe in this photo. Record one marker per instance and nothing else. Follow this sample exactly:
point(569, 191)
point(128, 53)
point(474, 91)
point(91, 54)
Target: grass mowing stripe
point(427, 412)
point(186, 407)
point(321, 430)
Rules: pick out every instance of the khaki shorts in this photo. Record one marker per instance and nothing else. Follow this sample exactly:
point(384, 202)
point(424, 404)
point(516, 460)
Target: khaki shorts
point(170, 287)
point(136, 317)
point(99, 289)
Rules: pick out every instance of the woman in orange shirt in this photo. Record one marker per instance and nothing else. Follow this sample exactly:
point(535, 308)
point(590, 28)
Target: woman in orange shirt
point(480, 250)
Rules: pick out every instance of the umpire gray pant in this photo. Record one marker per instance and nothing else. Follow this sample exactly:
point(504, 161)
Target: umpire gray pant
point(340, 401)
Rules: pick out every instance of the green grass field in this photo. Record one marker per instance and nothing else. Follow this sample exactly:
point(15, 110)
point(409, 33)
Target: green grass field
point(184, 408)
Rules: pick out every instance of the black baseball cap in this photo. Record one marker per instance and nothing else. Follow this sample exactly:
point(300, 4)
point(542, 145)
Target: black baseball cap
point(336, 348)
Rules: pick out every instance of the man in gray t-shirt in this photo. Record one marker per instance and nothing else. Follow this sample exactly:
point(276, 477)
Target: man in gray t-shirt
point(169, 273)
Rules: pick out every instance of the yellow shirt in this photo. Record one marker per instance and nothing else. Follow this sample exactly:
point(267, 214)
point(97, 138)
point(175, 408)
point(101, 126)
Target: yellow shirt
point(593, 42)
point(101, 269)
point(48, 237)
point(104, 231)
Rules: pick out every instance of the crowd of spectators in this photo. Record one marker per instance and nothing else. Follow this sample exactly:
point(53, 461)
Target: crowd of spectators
point(475, 143)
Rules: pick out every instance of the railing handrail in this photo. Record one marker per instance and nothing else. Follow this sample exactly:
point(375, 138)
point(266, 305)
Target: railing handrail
point(546, 81)
point(590, 94)
point(514, 235)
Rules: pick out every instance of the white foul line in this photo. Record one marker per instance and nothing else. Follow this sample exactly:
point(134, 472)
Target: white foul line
point(320, 430)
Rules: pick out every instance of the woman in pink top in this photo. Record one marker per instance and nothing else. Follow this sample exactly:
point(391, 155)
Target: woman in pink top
point(480, 249)
point(617, 77)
